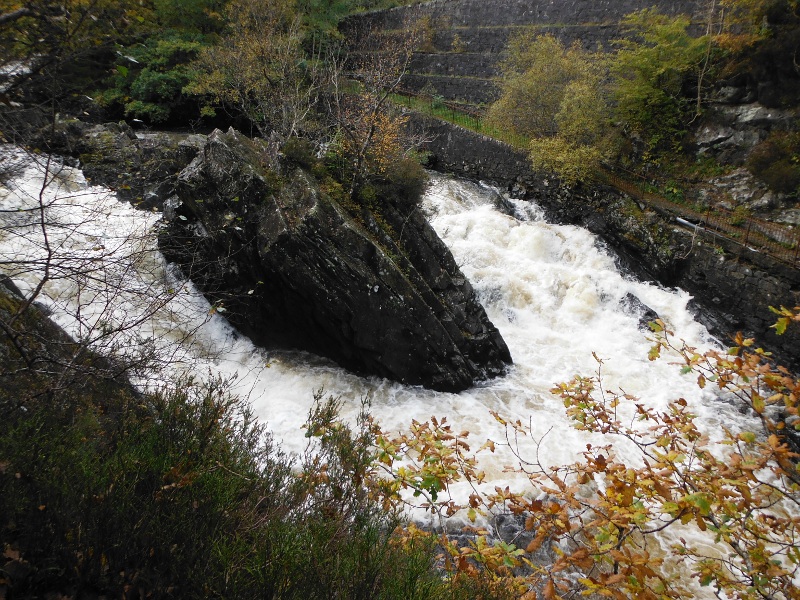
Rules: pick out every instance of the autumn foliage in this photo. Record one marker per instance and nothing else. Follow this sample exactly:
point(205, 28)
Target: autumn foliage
point(604, 526)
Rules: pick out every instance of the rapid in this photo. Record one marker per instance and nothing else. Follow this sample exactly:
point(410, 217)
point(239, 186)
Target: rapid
point(555, 293)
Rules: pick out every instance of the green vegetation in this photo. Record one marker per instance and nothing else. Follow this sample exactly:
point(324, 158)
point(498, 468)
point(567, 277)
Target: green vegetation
point(554, 96)
point(180, 493)
point(574, 106)
point(776, 162)
point(149, 78)
point(260, 68)
point(650, 69)
point(635, 104)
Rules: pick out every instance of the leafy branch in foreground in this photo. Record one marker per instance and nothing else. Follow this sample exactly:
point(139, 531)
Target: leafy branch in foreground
point(182, 493)
point(724, 512)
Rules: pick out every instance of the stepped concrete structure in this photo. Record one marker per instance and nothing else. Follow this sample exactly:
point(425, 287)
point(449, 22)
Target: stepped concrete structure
point(464, 40)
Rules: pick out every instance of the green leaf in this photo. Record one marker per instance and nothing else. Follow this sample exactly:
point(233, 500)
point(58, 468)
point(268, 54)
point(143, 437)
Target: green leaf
point(758, 403)
point(699, 501)
point(747, 437)
point(671, 508)
point(122, 70)
point(781, 325)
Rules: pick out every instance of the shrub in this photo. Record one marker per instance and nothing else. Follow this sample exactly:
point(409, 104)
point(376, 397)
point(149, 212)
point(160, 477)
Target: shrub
point(148, 80)
point(145, 503)
point(740, 215)
point(300, 152)
point(776, 162)
point(182, 494)
point(404, 181)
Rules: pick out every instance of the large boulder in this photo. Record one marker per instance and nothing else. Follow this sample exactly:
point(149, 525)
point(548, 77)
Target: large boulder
point(293, 267)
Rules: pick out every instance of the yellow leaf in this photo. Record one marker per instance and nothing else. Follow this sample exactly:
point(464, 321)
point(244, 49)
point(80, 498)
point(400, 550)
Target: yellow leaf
point(758, 403)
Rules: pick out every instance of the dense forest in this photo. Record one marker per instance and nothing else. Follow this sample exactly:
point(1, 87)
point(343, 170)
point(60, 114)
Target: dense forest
point(106, 491)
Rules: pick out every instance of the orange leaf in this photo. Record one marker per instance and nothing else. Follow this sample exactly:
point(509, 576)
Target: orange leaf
point(535, 544)
point(701, 522)
point(549, 591)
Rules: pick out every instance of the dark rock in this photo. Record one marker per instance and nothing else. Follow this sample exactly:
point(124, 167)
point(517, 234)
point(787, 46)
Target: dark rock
point(646, 314)
point(140, 168)
point(769, 94)
point(595, 223)
point(730, 94)
point(292, 267)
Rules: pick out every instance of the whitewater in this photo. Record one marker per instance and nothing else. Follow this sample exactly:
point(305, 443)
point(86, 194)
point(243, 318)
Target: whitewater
point(555, 292)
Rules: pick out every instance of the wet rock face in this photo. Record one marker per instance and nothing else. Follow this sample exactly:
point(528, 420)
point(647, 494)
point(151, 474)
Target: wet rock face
point(292, 267)
point(140, 168)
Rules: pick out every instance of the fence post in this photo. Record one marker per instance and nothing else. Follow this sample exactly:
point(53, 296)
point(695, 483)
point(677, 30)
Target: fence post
point(747, 233)
point(796, 248)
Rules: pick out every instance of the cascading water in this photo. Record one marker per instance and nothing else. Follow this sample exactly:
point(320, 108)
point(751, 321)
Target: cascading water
point(553, 292)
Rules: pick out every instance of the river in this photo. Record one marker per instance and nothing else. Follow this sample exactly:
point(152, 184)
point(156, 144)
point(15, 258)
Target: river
point(555, 293)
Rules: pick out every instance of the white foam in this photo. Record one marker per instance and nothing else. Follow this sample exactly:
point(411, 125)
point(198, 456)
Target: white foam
point(553, 292)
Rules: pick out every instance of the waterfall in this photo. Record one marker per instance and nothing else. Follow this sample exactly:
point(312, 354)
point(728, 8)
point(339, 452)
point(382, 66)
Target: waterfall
point(554, 292)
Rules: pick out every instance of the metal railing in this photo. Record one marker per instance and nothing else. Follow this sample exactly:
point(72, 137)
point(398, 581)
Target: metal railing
point(778, 241)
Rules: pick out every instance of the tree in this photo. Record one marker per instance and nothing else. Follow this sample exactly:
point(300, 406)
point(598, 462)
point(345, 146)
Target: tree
point(650, 70)
point(260, 68)
point(50, 47)
point(597, 526)
point(202, 16)
point(369, 130)
point(556, 97)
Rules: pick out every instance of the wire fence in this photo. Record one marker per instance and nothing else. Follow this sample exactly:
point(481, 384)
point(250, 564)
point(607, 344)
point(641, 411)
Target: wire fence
point(778, 241)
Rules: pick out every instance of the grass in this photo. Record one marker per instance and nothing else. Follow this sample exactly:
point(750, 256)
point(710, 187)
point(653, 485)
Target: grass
point(446, 112)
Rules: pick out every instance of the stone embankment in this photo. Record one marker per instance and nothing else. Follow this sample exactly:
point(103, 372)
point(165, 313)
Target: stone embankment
point(463, 41)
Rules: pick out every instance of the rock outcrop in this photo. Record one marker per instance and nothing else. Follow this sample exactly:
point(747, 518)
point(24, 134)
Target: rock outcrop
point(293, 267)
point(139, 167)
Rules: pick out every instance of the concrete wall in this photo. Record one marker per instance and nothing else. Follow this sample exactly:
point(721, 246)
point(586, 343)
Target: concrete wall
point(484, 28)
